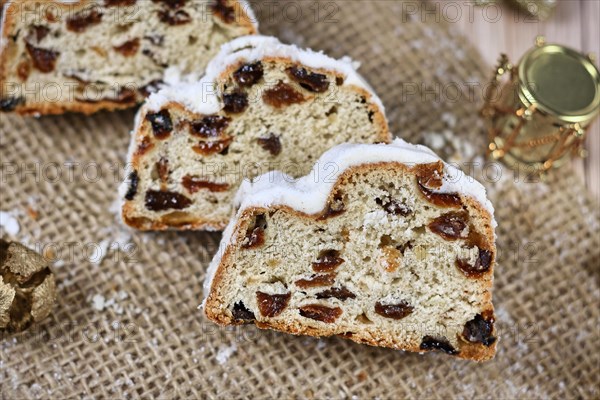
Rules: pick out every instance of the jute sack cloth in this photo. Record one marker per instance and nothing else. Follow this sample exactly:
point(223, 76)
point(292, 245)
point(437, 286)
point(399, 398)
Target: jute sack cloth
point(127, 324)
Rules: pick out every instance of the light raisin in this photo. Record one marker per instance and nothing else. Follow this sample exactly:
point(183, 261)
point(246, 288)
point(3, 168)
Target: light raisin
point(159, 200)
point(162, 168)
point(23, 70)
point(271, 305)
point(249, 74)
point(450, 226)
point(432, 343)
point(194, 184)
point(270, 143)
point(43, 60)
point(333, 208)
point(321, 313)
point(394, 311)
point(327, 261)
point(255, 236)
point(310, 81)
point(316, 281)
point(83, 20)
point(208, 148)
point(282, 95)
point(129, 48)
point(161, 123)
point(145, 146)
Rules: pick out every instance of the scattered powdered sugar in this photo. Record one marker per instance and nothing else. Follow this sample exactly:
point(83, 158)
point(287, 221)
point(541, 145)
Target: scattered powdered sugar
point(9, 223)
point(224, 353)
point(101, 303)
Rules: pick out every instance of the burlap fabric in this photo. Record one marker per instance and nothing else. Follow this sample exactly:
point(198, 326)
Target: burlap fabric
point(128, 325)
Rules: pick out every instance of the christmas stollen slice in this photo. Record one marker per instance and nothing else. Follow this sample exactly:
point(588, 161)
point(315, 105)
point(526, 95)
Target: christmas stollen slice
point(87, 55)
point(391, 247)
point(262, 106)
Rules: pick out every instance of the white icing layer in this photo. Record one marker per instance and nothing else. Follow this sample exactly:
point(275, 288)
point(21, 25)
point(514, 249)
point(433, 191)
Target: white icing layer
point(201, 95)
point(309, 194)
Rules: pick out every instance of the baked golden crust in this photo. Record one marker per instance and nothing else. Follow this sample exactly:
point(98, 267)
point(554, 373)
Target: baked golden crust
point(215, 304)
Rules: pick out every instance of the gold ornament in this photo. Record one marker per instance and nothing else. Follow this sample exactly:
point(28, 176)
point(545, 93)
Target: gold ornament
point(27, 287)
point(538, 112)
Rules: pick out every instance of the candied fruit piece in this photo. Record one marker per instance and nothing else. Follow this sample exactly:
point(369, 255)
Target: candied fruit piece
point(145, 145)
point(211, 126)
point(194, 184)
point(82, 20)
point(440, 199)
point(450, 226)
point(129, 48)
point(249, 74)
point(479, 330)
point(43, 60)
point(481, 266)
point(321, 313)
point(395, 207)
point(271, 305)
point(430, 175)
point(394, 311)
point(134, 180)
point(282, 95)
point(310, 81)
point(316, 281)
point(255, 236)
point(327, 261)
point(223, 11)
point(160, 200)
point(340, 293)
point(270, 143)
point(161, 123)
point(235, 102)
point(431, 343)
point(241, 313)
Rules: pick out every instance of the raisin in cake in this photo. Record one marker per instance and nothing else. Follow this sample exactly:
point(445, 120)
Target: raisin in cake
point(262, 106)
point(87, 55)
point(393, 248)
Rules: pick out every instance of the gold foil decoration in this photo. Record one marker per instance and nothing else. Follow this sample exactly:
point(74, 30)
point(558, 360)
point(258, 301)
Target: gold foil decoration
point(538, 112)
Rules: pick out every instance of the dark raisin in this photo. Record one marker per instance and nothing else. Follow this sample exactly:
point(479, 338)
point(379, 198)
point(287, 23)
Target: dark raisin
point(440, 199)
point(159, 200)
point(451, 225)
point(255, 236)
point(116, 3)
point(162, 168)
point(282, 95)
point(43, 60)
point(10, 103)
point(310, 81)
point(339, 80)
point(249, 74)
point(271, 305)
point(174, 17)
point(235, 102)
point(340, 293)
point(172, 4)
point(316, 281)
point(129, 48)
point(241, 313)
point(320, 313)
point(155, 39)
point(161, 123)
point(481, 266)
point(208, 148)
point(394, 311)
point(395, 207)
point(479, 330)
point(194, 184)
point(431, 343)
point(37, 33)
point(211, 126)
point(223, 11)
point(270, 143)
point(327, 261)
point(333, 208)
point(82, 20)
point(134, 180)
point(151, 87)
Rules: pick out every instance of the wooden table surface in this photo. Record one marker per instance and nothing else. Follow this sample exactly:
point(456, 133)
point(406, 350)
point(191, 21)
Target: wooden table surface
point(500, 29)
